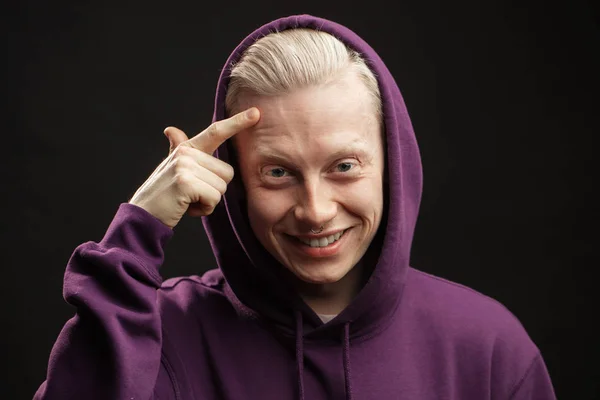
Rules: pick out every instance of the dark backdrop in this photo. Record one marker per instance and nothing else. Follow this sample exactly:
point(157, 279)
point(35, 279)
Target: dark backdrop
point(503, 97)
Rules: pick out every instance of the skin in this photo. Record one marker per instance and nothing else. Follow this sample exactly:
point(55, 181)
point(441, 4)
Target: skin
point(190, 179)
point(316, 157)
point(329, 172)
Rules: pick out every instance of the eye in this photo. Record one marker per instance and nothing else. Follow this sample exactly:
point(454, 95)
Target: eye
point(344, 167)
point(276, 172)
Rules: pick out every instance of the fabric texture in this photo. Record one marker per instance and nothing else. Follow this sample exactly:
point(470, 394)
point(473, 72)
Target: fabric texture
point(240, 332)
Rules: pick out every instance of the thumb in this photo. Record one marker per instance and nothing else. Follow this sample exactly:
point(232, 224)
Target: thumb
point(176, 137)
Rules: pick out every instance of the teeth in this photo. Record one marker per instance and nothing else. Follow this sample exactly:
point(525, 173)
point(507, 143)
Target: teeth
point(322, 242)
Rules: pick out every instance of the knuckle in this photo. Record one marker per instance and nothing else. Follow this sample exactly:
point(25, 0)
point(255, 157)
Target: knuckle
point(183, 180)
point(228, 173)
point(180, 164)
point(184, 162)
point(214, 200)
point(180, 150)
point(214, 130)
point(222, 186)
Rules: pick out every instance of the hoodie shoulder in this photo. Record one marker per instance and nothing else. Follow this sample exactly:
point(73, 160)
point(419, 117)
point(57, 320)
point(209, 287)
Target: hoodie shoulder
point(469, 311)
point(481, 330)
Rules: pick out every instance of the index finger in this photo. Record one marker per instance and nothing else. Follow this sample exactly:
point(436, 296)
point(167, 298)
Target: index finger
point(212, 137)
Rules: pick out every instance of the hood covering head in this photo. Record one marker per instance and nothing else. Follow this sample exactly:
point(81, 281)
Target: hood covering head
point(254, 277)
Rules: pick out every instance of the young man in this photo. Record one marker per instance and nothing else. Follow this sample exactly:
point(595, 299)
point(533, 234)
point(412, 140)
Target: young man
point(309, 182)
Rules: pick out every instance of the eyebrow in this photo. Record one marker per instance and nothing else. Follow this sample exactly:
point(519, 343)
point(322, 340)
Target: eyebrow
point(270, 154)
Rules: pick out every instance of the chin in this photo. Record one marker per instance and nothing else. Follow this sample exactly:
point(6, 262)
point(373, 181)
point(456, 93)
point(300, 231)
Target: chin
point(321, 275)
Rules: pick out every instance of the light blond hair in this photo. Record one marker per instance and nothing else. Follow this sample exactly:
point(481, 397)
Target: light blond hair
point(293, 59)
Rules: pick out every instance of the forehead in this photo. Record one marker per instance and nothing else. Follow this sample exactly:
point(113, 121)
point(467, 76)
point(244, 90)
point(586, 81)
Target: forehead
point(339, 112)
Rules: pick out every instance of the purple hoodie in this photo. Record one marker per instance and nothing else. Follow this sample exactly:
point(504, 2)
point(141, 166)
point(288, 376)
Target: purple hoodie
point(240, 332)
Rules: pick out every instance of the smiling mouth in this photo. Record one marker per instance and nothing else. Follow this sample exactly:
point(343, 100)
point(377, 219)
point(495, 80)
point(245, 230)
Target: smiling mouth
point(322, 242)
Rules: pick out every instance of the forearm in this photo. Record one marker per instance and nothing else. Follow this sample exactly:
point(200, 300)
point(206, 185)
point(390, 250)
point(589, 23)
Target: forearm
point(111, 348)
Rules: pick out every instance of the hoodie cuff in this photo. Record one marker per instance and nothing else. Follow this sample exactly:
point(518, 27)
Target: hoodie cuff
point(139, 233)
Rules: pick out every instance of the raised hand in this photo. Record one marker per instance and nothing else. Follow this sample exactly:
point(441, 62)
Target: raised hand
point(190, 178)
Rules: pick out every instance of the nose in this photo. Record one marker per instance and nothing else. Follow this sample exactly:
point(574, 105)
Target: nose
point(315, 205)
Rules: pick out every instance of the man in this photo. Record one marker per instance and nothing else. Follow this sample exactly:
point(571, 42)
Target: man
point(309, 182)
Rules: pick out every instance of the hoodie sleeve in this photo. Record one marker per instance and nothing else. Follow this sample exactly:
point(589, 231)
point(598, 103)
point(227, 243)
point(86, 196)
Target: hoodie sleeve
point(111, 348)
point(535, 384)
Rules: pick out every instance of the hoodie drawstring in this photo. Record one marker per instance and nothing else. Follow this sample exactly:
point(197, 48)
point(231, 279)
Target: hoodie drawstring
point(300, 357)
point(347, 360)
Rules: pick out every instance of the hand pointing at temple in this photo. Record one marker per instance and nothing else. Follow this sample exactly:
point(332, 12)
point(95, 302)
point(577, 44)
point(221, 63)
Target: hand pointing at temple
point(190, 178)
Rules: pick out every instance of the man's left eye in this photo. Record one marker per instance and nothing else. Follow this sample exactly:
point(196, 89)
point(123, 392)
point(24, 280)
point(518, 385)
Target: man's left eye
point(344, 167)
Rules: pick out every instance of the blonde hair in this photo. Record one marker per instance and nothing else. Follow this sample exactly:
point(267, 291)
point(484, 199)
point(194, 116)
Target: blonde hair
point(293, 59)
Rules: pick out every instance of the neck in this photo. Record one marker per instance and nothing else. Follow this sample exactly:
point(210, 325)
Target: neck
point(332, 298)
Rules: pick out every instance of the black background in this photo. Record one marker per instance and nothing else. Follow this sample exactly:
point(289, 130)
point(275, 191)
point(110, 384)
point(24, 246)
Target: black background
point(503, 97)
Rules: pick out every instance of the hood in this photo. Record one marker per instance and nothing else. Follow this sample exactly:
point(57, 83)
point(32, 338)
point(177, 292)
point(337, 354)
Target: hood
point(253, 276)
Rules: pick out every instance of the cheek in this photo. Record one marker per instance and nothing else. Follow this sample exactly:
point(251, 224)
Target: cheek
point(365, 199)
point(266, 208)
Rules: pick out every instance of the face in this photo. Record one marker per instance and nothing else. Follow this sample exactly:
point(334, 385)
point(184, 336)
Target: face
point(315, 158)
